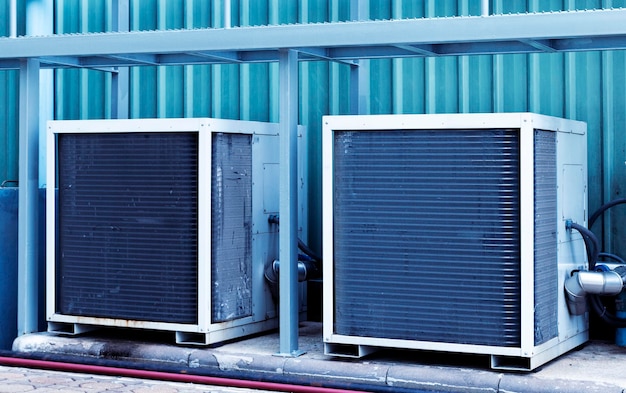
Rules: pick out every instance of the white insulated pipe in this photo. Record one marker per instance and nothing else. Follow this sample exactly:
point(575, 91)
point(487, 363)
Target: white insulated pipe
point(13, 19)
point(484, 8)
point(227, 16)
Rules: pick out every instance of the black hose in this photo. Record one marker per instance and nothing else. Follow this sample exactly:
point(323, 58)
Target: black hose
point(605, 315)
point(274, 219)
point(592, 244)
point(302, 246)
point(614, 257)
point(603, 208)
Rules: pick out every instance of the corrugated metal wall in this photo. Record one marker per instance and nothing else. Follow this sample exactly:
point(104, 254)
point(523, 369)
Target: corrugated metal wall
point(584, 86)
point(9, 86)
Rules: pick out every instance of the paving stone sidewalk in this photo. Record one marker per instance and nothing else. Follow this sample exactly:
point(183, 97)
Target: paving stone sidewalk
point(17, 379)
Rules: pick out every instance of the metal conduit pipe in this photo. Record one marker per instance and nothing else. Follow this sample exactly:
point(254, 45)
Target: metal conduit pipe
point(582, 283)
point(235, 379)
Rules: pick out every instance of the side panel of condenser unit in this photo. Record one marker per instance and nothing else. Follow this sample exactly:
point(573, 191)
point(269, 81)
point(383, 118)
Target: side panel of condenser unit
point(572, 205)
point(427, 235)
point(231, 227)
point(545, 237)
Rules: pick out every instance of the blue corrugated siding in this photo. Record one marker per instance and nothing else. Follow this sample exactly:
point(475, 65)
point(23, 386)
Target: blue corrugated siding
point(9, 111)
point(582, 86)
point(9, 81)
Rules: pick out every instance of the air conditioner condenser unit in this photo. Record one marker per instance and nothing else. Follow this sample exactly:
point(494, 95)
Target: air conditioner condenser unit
point(163, 224)
point(448, 233)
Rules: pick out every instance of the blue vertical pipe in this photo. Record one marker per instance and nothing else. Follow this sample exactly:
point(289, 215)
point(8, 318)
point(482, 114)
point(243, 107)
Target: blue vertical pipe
point(28, 201)
point(8, 266)
point(13, 18)
point(288, 208)
point(484, 8)
point(39, 22)
point(120, 80)
point(360, 75)
point(620, 312)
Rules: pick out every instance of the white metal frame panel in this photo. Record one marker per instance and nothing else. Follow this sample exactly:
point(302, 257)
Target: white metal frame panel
point(264, 238)
point(571, 151)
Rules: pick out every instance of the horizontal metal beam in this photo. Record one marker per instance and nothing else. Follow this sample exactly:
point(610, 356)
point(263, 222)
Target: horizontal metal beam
point(320, 54)
point(136, 59)
point(9, 64)
point(63, 61)
point(342, 41)
point(232, 57)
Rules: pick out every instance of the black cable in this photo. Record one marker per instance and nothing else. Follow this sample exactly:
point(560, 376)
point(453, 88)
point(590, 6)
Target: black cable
point(275, 219)
point(614, 257)
point(302, 246)
point(603, 208)
point(592, 244)
point(605, 315)
point(596, 302)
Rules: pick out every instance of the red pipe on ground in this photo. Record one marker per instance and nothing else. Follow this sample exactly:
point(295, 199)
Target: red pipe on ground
point(167, 376)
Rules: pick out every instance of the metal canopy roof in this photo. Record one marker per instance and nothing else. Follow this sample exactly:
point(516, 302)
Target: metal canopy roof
point(343, 41)
point(286, 44)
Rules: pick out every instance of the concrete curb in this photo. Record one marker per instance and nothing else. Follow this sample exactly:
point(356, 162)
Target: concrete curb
point(252, 359)
point(512, 383)
point(236, 362)
point(337, 371)
point(444, 379)
point(46, 343)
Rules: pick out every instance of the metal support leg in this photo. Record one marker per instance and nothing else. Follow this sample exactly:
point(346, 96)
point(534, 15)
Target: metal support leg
point(28, 214)
point(119, 93)
point(288, 238)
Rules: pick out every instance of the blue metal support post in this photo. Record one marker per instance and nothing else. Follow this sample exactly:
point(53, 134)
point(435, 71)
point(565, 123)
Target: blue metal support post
point(120, 80)
point(28, 214)
point(360, 74)
point(288, 208)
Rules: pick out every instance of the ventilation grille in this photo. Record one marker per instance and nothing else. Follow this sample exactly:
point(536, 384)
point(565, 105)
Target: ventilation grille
point(426, 235)
point(231, 226)
point(127, 226)
point(546, 272)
